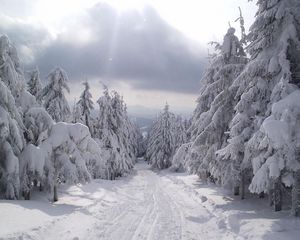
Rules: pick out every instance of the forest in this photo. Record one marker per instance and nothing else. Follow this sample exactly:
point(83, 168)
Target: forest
point(243, 136)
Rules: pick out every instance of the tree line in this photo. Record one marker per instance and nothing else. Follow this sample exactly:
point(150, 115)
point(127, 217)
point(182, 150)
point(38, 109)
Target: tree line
point(43, 143)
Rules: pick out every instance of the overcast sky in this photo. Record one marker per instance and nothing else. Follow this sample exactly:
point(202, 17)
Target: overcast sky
point(151, 51)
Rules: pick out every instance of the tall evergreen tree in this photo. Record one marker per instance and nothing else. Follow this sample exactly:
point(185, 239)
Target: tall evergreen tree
point(85, 106)
point(14, 102)
point(53, 95)
point(180, 131)
point(214, 110)
point(34, 84)
point(115, 133)
point(161, 143)
point(270, 80)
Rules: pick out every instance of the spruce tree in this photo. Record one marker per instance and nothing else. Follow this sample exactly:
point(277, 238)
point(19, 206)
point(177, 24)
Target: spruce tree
point(85, 106)
point(15, 102)
point(116, 134)
point(34, 84)
point(161, 143)
point(12, 141)
point(215, 110)
point(53, 95)
point(272, 79)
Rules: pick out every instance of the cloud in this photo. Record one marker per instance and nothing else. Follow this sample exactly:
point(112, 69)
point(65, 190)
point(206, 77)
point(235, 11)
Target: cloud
point(136, 47)
point(17, 8)
point(30, 39)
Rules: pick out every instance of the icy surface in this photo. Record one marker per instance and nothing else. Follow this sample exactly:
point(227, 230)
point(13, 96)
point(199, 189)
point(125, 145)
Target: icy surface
point(146, 205)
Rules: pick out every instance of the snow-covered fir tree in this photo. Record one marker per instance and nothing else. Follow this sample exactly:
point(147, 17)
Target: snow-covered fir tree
point(271, 80)
point(57, 153)
point(71, 156)
point(181, 157)
point(161, 142)
point(116, 134)
point(180, 131)
point(54, 97)
point(34, 84)
point(215, 110)
point(32, 159)
point(76, 113)
point(12, 142)
point(84, 106)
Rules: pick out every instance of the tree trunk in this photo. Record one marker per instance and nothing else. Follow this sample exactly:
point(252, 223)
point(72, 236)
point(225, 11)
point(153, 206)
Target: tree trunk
point(35, 182)
point(108, 174)
point(277, 195)
point(27, 195)
point(296, 194)
point(41, 187)
point(55, 198)
point(271, 201)
point(261, 195)
point(243, 186)
point(203, 177)
point(236, 190)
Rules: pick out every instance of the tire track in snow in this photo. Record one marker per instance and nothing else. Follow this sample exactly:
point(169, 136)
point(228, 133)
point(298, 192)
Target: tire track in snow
point(215, 216)
point(154, 217)
point(126, 225)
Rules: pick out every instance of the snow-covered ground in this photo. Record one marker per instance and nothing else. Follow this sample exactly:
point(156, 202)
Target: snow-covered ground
point(145, 205)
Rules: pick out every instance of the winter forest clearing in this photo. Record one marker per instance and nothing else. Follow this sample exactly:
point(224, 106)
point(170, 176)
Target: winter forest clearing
point(91, 168)
point(145, 205)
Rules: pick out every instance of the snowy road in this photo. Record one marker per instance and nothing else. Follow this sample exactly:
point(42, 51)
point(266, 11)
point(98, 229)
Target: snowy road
point(155, 210)
point(144, 206)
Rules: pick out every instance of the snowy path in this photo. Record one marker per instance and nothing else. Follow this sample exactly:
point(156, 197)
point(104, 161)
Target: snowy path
point(144, 206)
point(154, 210)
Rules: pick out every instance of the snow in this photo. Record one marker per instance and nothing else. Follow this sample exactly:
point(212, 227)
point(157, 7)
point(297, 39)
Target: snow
point(277, 131)
point(180, 158)
point(274, 67)
point(291, 101)
point(145, 205)
point(34, 157)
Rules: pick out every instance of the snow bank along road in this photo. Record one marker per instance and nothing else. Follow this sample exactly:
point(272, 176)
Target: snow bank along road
point(146, 205)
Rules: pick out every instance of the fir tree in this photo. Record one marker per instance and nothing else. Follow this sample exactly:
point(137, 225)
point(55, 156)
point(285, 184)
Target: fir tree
point(53, 95)
point(85, 106)
point(269, 81)
point(34, 84)
point(11, 126)
point(115, 133)
point(215, 110)
point(161, 143)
